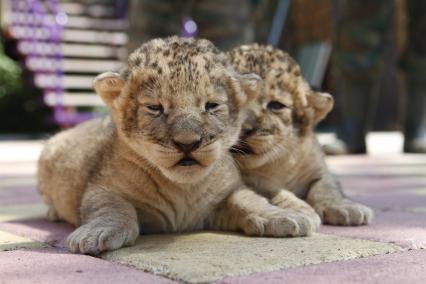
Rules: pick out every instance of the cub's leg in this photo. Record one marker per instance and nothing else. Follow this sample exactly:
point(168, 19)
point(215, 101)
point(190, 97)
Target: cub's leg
point(327, 199)
point(109, 222)
point(288, 201)
point(246, 211)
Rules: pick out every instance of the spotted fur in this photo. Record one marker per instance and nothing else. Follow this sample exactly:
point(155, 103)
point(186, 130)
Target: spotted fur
point(127, 174)
point(278, 151)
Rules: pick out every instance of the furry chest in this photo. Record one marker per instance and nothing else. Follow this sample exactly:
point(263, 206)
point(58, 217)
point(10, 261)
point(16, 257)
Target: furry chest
point(170, 214)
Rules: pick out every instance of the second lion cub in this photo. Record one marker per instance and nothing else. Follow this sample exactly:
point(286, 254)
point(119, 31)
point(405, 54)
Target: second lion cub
point(278, 152)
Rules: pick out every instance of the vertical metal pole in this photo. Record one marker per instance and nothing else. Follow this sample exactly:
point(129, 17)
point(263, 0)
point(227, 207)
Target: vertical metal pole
point(278, 22)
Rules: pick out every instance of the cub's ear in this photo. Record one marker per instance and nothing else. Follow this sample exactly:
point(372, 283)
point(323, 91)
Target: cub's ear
point(322, 103)
point(250, 87)
point(108, 85)
point(250, 84)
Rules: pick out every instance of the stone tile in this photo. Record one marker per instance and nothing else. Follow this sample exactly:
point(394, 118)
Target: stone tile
point(405, 229)
point(16, 180)
point(406, 267)
point(56, 266)
point(52, 233)
point(376, 160)
point(205, 256)
point(414, 191)
point(420, 209)
point(381, 185)
point(18, 168)
point(21, 212)
point(20, 150)
point(19, 195)
point(363, 166)
point(10, 242)
point(393, 202)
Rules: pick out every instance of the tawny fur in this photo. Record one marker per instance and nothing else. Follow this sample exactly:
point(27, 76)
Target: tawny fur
point(120, 176)
point(278, 152)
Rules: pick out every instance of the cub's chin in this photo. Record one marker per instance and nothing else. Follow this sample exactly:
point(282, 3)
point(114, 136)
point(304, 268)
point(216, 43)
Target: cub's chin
point(251, 161)
point(255, 153)
point(187, 171)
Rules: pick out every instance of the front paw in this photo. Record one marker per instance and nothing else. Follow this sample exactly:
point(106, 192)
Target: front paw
point(281, 223)
point(344, 213)
point(92, 239)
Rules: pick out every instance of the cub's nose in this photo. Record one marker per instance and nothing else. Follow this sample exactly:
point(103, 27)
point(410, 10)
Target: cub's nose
point(187, 143)
point(247, 132)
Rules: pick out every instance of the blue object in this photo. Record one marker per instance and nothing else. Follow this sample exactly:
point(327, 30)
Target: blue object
point(278, 22)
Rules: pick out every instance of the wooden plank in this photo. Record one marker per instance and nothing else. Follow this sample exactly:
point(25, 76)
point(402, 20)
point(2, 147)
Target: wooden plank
point(104, 24)
point(92, 10)
point(98, 51)
point(72, 65)
point(73, 99)
point(116, 38)
point(66, 81)
point(78, 22)
point(71, 50)
point(76, 35)
point(96, 66)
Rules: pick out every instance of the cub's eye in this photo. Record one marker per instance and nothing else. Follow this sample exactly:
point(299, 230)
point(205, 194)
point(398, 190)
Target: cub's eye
point(274, 105)
point(155, 108)
point(210, 106)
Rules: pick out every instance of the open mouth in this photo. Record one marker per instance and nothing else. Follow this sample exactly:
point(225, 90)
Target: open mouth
point(187, 161)
point(241, 150)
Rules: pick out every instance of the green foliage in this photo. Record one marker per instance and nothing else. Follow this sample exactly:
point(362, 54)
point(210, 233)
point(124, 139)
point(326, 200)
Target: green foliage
point(21, 107)
point(10, 75)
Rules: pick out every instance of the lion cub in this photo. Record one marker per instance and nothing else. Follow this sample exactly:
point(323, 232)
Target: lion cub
point(160, 161)
point(278, 152)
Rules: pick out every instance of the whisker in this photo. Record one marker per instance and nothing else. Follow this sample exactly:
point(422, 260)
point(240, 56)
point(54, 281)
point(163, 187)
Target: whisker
point(237, 163)
point(237, 150)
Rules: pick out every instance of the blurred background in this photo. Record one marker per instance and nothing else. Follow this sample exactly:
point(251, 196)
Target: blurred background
point(371, 55)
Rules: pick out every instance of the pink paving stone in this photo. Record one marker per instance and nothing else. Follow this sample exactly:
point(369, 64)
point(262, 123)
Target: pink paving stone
point(402, 228)
point(377, 160)
point(19, 195)
point(406, 267)
point(53, 233)
point(56, 266)
point(393, 202)
point(373, 185)
point(392, 223)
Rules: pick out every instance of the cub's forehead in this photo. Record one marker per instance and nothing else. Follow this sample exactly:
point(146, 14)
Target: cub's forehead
point(177, 57)
point(265, 61)
point(280, 72)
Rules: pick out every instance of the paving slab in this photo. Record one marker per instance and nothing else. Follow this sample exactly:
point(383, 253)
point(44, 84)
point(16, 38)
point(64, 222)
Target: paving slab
point(10, 242)
point(400, 216)
point(420, 209)
point(374, 185)
point(393, 202)
point(365, 167)
point(11, 181)
point(378, 160)
point(56, 266)
point(397, 268)
point(39, 229)
point(206, 256)
point(19, 195)
point(405, 229)
point(18, 168)
point(22, 212)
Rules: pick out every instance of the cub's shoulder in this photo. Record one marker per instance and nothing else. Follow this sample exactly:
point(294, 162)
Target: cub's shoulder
point(79, 143)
